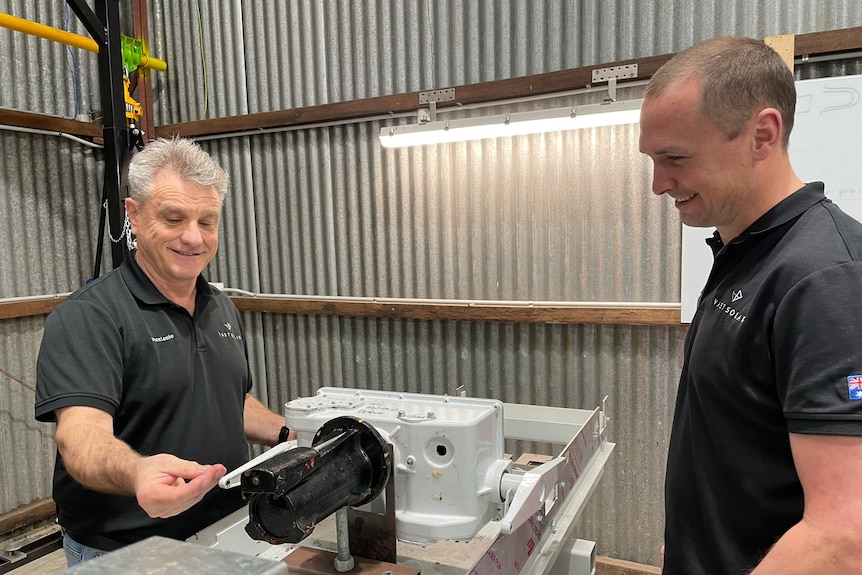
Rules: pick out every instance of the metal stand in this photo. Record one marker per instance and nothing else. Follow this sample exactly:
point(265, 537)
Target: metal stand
point(372, 535)
point(104, 27)
point(365, 542)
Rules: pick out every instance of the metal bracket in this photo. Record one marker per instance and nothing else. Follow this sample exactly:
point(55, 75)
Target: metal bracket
point(537, 494)
point(431, 98)
point(617, 72)
point(611, 75)
point(447, 95)
point(232, 478)
point(425, 115)
point(372, 535)
point(605, 417)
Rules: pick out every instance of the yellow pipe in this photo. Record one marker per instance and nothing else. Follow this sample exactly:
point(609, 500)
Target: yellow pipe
point(68, 38)
point(148, 61)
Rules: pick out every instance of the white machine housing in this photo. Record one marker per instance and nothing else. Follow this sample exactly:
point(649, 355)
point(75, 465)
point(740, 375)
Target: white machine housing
point(448, 455)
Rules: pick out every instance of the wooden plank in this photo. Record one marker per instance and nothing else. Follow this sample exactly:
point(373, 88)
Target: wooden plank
point(784, 46)
point(27, 515)
point(50, 123)
point(829, 42)
point(30, 307)
point(538, 84)
point(467, 311)
point(609, 566)
point(337, 112)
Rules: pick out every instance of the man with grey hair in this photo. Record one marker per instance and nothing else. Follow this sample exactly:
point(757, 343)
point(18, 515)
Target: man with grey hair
point(146, 373)
point(766, 443)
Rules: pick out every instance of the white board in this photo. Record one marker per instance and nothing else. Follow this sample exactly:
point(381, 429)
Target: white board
point(825, 145)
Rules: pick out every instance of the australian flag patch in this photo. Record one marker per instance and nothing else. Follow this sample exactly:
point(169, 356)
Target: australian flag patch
point(854, 387)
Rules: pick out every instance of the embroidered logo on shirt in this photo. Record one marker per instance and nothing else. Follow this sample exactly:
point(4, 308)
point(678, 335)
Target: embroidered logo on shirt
point(726, 308)
point(854, 387)
point(229, 333)
point(162, 338)
point(737, 295)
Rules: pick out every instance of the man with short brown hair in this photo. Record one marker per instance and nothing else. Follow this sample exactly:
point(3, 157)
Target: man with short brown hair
point(766, 445)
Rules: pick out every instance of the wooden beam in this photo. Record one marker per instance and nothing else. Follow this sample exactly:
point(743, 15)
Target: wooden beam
point(27, 515)
point(784, 46)
point(828, 42)
point(609, 566)
point(465, 312)
point(536, 85)
point(29, 307)
point(468, 311)
point(50, 123)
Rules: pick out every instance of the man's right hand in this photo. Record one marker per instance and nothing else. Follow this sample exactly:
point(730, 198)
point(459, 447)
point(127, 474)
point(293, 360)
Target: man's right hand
point(166, 485)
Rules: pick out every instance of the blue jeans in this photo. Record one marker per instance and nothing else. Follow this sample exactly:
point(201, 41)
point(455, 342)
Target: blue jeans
point(77, 553)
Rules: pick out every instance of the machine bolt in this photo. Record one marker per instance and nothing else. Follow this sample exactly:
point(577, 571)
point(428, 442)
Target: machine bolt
point(343, 566)
point(343, 561)
point(410, 460)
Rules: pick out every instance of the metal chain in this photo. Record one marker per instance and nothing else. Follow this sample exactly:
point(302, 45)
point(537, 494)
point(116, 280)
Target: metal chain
point(126, 231)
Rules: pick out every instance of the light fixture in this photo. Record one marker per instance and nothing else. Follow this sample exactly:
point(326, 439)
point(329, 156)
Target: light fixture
point(514, 124)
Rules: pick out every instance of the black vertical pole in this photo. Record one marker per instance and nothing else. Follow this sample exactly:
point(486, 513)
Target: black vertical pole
point(104, 26)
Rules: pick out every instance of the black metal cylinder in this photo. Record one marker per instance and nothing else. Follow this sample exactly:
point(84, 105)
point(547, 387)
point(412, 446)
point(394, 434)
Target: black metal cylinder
point(351, 467)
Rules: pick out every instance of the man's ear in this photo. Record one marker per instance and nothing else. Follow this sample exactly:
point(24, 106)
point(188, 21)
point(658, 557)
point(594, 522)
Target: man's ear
point(132, 211)
point(768, 128)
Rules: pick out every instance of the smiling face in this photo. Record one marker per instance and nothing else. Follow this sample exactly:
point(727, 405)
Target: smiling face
point(708, 176)
point(177, 232)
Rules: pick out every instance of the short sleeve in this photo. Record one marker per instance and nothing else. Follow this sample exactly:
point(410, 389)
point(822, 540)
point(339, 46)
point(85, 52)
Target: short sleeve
point(818, 352)
point(80, 360)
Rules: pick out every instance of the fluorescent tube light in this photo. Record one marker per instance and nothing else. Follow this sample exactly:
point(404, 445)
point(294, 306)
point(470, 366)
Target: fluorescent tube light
point(514, 124)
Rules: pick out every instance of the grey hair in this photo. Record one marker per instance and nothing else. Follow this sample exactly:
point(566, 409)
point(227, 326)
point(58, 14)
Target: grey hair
point(741, 77)
point(182, 156)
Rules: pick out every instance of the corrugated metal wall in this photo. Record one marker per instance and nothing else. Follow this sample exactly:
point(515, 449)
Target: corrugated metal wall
point(49, 201)
point(326, 211)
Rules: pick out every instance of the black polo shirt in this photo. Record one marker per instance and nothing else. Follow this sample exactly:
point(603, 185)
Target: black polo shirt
point(172, 382)
point(773, 348)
